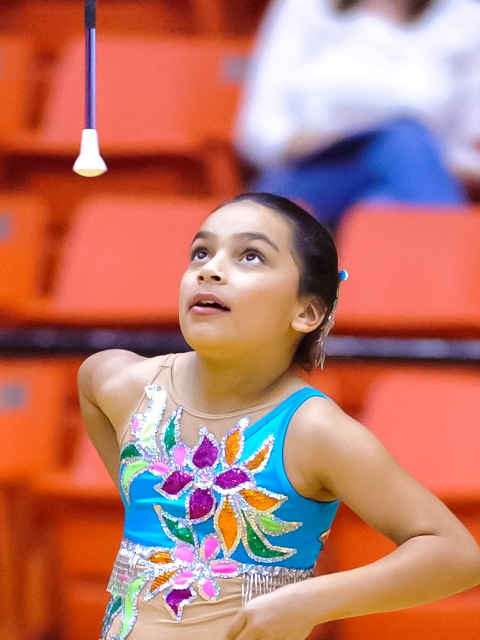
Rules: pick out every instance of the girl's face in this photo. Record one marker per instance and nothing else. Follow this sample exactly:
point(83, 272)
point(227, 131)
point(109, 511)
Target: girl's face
point(240, 290)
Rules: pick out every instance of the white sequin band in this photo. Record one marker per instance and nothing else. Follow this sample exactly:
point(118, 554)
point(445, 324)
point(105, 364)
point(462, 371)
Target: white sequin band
point(258, 579)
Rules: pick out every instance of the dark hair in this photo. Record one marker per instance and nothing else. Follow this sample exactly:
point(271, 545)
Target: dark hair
point(315, 254)
point(416, 8)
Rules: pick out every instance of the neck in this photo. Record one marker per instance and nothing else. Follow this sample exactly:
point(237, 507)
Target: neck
point(221, 386)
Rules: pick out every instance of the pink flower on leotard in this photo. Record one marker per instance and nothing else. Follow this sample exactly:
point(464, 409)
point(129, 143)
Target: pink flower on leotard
point(188, 569)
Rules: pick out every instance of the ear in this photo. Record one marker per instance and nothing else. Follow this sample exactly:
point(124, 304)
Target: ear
point(309, 316)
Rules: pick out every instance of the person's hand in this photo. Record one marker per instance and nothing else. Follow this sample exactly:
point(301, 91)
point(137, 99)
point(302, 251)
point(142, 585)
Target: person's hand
point(285, 614)
point(307, 143)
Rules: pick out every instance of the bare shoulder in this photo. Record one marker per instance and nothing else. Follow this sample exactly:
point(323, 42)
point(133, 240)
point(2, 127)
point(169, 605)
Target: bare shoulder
point(325, 443)
point(104, 366)
point(321, 417)
point(115, 373)
point(325, 425)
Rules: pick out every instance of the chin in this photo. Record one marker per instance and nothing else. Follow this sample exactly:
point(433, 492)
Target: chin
point(213, 345)
point(204, 338)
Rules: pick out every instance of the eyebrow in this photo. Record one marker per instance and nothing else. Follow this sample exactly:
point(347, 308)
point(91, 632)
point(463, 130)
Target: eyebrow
point(246, 235)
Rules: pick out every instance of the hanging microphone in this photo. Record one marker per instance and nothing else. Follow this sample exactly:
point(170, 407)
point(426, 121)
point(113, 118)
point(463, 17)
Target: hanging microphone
point(89, 162)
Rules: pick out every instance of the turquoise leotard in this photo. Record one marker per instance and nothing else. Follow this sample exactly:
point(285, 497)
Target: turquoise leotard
point(220, 509)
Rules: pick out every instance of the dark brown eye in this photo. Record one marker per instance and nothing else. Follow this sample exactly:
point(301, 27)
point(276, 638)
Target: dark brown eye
point(252, 255)
point(198, 254)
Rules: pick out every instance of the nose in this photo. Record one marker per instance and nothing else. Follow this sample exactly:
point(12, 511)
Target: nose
point(211, 272)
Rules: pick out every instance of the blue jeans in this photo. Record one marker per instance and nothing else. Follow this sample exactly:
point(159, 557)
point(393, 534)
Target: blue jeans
point(399, 162)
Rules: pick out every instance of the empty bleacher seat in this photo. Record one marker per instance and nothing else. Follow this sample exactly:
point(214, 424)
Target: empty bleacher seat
point(413, 271)
point(158, 99)
point(154, 94)
point(427, 418)
point(16, 77)
point(82, 514)
point(51, 23)
point(122, 263)
point(34, 430)
point(24, 249)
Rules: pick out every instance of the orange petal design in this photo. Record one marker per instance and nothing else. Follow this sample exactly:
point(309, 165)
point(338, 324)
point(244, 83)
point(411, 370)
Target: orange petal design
point(227, 523)
point(162, 557)
point(165, 577)
point(259, 500)
point(257, 460)
point(232, 447)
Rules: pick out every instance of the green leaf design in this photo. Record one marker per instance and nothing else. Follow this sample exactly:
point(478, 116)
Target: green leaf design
point(129, 472)
point(113, 609)
point(176, 529)
point(169, 436)
point(147, 434)
point(130, 451)
point(261, 548)
point(130, 611)
point(272, 525)
point(115, 606)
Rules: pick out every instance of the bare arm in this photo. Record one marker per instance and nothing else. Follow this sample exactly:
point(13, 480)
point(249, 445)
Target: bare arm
point(436, 556)
point(107, 394)
point(101, 433)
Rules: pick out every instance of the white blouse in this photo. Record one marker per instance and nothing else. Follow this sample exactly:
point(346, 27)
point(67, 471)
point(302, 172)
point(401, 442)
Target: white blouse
point(317, 70)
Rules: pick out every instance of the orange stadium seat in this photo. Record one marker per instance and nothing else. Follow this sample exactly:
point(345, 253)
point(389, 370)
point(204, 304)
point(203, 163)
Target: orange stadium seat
point(164, 105)
point(428, 420)
point(348, 381)
point(83, 515)
point(122, 263)
point(16, 67)
point(154, 95)
point(34, 430)
point(51, 23)
point(24, 248)
point(413, 271)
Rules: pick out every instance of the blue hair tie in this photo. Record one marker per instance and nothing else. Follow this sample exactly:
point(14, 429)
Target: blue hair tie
point(342, 275)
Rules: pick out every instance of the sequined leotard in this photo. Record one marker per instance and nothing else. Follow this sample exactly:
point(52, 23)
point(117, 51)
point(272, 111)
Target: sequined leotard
point(207, 526)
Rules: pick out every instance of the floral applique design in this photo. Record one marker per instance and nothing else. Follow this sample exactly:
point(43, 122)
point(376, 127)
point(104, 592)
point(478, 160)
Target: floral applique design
point(186, 566)
point(216, 483)
point(180, 573)
point(213, 479)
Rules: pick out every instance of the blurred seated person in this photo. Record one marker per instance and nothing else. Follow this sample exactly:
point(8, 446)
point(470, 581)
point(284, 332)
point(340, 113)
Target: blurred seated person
point(364, 100)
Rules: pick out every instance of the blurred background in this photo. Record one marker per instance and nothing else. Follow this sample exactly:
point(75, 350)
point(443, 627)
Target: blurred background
point(90, 264)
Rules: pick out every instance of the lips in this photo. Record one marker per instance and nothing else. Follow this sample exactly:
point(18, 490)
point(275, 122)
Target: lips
point(208, 302)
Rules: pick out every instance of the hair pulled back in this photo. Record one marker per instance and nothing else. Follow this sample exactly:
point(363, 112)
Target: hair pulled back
point(315, 254)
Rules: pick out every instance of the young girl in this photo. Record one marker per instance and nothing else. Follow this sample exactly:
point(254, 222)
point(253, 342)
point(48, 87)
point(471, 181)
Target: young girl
point(231, 468)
